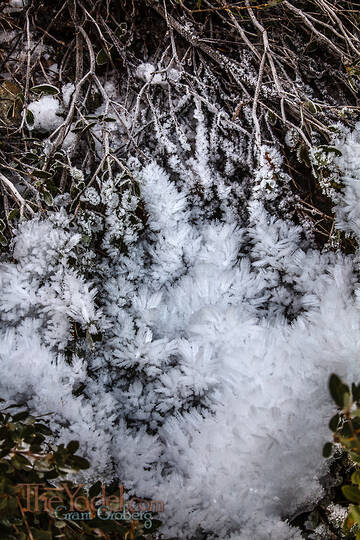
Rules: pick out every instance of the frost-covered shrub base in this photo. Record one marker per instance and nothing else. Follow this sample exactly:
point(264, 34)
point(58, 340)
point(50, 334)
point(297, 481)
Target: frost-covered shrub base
point(190, 357)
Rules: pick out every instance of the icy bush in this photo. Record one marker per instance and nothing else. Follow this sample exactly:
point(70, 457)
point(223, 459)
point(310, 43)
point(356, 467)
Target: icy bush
point(189, 355)
point(346, 161)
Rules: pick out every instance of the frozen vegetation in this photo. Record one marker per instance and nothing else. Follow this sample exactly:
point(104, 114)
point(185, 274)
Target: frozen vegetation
point(171, 310)
point(208, 385)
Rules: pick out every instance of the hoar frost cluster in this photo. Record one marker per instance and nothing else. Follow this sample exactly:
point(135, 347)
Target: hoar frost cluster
point(189, 354)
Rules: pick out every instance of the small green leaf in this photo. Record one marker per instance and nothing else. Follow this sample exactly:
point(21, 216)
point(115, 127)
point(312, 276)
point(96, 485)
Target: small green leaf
point(48, 198)
point(334, 422)
point(31, 156)
point(355, 477)
point(303, 154)
point(29, 420)
point(3, 240)
point(29, 117)
point(352, 493)
point(41, 535)
point(327, 449)
point(310, 106)
point(73, 446)
point(42, 465)
point(89, 340)
point(79, 462)
point(41, 174)
point(13, 214)
point(330, 150)
point(95, 489)
point(355, 390)
point(45, 89)
point(60, 524)
point(271, 118)
point(20, 416)
point(349, 520)
point(20, 462)
point(352, 84)
point(338, 390)
point(43, 429)
point(102, 58)
point(83, 128)
point(273, 3)
point(355, 457)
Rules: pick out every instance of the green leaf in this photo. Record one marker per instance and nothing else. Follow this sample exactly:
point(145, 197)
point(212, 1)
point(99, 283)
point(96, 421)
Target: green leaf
point(48, 198)
point(32, 156)
point(352, 84)
point(334, 422)
point(355, 457)
point(13, 214)
point(29, 420)
point(330, 150)
point(73, 446)
point(50, 475)
point(355, 477)
point(271, 118)
point(41, 174)
point(310, 106)
point(20, 462)
point(45, 89)
point(41, 535)
point(304, 154)
point(83, 129)
point(327, 449)
point(3, 240)
point(45, 430)
point(60, 524)
point(29, 117)
point(20, 416)
point(338, 390)
point(89, 340)
point(102, 58)
point(349, 520)
point(355, 390)
point(273, 3)
point(79, 462)
point(43, 465)
point(10, 112)
point(352, 493)
point(95, 489)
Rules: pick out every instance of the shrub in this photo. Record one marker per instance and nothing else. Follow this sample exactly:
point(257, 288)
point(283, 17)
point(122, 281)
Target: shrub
point(29, 458)
point(345, 425)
